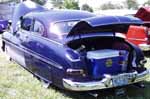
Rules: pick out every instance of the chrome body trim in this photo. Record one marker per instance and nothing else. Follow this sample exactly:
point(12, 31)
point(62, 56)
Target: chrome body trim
point(145, 47)
point(144, 40)
point(105, 83)
point(72, 60)
point(38, 56)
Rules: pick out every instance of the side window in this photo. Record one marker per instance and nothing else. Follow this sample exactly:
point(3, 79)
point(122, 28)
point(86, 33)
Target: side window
point(38, 28)
point(26, 24)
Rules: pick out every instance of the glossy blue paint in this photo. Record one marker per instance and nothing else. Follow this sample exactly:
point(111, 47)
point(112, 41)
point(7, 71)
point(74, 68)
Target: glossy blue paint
point(100, 66)
point(22, 9)
point(109, 20)
point(48, 56)
point(53, 16)
point(3, 25)
point(105, 24)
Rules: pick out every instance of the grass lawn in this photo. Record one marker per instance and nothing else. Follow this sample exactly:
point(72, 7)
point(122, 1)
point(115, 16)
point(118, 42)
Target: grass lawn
point(17, 83)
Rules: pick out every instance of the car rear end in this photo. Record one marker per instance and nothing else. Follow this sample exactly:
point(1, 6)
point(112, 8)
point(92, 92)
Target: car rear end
point(146, 46)
point(3, 25)
point(107, 64)
point(99, 59)
point(147, 24)
point(144, 14)
point(140, 36)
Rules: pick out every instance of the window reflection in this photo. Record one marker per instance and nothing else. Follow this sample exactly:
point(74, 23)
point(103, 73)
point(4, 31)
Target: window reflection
point(62, 28)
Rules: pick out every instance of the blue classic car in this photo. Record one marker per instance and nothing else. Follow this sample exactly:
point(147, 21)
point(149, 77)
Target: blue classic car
point(75, 50)
point(3, 25)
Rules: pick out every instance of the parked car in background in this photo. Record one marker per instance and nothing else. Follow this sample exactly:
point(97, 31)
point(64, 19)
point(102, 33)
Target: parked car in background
point(6, 11)
point(75, 50)
point(3, 25)
point(140, 35)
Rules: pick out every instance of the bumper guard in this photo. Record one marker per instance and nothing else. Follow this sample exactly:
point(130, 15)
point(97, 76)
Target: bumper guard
point(106, 82)
point(144, 47)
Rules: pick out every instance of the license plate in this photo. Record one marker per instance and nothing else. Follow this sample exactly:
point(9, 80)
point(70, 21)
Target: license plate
point(120, 80)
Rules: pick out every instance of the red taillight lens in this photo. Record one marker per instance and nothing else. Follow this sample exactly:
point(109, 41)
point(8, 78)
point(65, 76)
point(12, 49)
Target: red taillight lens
point(148, 33)
point(148, 36)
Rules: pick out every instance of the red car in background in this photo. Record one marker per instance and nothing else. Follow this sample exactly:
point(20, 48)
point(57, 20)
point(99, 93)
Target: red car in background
point(140, 35)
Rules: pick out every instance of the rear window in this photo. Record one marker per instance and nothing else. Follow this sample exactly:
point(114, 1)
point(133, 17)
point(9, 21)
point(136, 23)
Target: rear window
point(62, 28)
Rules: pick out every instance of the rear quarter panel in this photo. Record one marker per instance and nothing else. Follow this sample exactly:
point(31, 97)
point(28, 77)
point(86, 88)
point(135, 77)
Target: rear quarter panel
point(137, 35)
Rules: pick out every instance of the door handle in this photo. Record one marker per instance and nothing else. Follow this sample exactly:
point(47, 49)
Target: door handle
point(23, 38)
point(39, 45)
point(26, 36)
point(17, 35)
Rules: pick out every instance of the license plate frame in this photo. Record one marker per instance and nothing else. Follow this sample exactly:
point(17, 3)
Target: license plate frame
point(120, 80)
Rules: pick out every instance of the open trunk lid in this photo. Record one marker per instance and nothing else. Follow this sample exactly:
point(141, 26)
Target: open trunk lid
point(144, 14)
point(104, 24)
point(22, 9)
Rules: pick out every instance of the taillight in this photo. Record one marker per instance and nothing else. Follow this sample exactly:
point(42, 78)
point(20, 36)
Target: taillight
point(148, 33)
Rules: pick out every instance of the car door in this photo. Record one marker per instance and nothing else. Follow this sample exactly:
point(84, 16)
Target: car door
point(37, 51)
point(13, 45)
point(23, 35)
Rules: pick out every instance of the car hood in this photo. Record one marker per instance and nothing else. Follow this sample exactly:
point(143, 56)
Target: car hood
point(22, 9)
point(104, 24)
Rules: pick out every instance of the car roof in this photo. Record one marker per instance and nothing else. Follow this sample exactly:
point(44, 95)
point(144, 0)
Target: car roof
point(51, 16)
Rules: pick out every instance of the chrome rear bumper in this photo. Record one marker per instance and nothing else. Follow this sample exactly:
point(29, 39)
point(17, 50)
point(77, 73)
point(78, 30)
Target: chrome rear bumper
point(106, 82)
point(144, 47)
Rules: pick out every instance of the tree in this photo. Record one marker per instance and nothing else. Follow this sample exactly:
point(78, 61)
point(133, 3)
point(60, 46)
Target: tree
point(86, 7)
point(132, 4)
point(57, 3)
point(6, 1)
point(41, 2)
point(108, 5)
point(147, 3)
point(70, 4)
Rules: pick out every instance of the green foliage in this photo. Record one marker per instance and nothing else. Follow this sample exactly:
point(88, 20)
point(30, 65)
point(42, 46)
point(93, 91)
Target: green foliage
point(109, 5)
point(86, 7)
point(147, 3)
point(6, 1)
point(70, 4)
point(57, 3)
point(132, 4)
point(41, 2)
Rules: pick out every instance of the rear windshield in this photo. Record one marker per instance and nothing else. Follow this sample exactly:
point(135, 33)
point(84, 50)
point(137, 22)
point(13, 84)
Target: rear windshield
point(62, 28)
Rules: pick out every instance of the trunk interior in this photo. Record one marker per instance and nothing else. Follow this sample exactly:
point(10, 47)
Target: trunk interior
point(147, 24)
point(103, 55)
